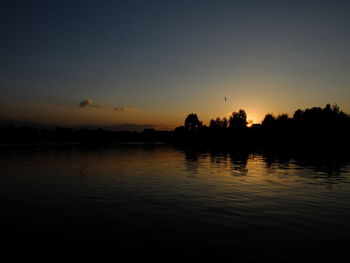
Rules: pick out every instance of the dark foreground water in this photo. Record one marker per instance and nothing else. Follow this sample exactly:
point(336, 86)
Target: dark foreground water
point(158, 198)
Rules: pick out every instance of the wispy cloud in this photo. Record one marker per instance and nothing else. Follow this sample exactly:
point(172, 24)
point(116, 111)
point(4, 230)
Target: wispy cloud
point(85, 103)
point(123, 109)
point(89, 103)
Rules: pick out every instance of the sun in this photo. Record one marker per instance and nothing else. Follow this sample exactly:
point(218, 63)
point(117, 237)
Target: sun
point(250, 123)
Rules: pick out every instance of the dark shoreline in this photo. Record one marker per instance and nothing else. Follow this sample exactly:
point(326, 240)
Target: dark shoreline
point(317, 130)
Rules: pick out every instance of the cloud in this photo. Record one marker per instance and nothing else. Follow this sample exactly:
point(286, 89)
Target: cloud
point(85, 103)
point(89, 103)
point(123, 109)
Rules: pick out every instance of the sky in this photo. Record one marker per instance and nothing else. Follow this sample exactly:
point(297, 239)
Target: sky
point(150, 63)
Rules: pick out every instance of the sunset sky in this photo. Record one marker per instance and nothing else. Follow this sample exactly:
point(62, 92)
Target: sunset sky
point(150, 63)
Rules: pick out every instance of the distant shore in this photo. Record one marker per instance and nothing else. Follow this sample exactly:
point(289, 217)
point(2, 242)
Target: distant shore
point(315, 129)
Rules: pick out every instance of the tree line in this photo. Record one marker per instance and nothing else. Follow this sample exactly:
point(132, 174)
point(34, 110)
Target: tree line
point(330, 116)
point(315, 127)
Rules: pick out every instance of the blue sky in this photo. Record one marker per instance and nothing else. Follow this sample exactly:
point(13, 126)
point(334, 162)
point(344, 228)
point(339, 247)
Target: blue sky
point(160, 60)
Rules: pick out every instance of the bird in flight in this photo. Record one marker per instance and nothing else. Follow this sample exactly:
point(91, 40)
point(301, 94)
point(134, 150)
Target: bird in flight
point(225, 99)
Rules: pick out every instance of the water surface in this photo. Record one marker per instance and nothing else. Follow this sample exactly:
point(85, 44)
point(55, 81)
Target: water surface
point(250, 204)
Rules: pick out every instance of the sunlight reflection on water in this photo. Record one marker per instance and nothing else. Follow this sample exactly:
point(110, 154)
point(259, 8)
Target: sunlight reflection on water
point(136, 194)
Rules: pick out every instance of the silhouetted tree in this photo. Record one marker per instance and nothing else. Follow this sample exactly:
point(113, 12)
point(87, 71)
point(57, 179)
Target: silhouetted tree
point(282, 119)
point(238, 120)
point(298, 115)
point(269, 120)
point(317, 117)
point(218, 123)
point(192, 122)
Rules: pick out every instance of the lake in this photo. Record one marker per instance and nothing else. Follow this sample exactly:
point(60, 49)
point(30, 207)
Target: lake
point(152, 196)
